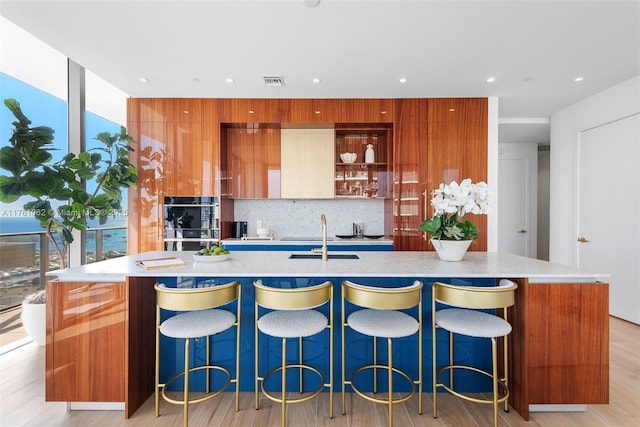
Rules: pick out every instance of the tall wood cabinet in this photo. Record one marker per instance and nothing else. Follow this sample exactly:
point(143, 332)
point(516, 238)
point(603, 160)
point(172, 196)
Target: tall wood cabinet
point(231, 148)
point(177, 155)
point(436, 140)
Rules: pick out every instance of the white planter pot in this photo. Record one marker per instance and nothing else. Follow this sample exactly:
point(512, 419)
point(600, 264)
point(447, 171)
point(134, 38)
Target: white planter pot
point(35, 322)
point(451, 250)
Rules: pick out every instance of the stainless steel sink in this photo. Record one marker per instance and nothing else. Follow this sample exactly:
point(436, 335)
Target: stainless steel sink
point(319, 256)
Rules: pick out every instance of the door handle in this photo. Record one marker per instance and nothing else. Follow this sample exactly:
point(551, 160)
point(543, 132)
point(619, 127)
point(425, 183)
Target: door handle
point(582, 239)
point(522, 231)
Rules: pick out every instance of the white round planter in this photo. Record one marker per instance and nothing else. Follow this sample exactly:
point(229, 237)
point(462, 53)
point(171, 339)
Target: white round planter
point(35, 322)
point(451, 250)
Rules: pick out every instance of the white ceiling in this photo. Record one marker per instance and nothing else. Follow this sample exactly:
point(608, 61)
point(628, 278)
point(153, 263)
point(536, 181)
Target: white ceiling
point(358, 48)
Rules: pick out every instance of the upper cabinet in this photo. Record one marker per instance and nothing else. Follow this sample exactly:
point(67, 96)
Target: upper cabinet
point(366, 174)
point(307, 163)
point(253, 159)
point(366, 110)
point(314, 111)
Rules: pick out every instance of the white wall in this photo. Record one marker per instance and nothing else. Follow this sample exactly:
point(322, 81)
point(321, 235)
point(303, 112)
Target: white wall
point(614, 103)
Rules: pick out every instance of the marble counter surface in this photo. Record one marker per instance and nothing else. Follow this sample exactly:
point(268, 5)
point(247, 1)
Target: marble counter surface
point(371, 264)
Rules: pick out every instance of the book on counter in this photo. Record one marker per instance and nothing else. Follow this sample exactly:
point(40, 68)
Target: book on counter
point(151, 264)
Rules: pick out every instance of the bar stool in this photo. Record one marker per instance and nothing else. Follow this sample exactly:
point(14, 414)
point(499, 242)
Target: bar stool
point(199, 317)
point(466, 319)
point(291, 314)
point(381, 316)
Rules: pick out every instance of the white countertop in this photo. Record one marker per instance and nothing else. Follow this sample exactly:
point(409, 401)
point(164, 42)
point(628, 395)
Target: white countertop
point(257, 264)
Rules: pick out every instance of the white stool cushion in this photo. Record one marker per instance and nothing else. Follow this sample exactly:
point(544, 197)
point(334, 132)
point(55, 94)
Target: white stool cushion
point(198, 323)
point(383, 323)
point(472, 323)
point(292, 323)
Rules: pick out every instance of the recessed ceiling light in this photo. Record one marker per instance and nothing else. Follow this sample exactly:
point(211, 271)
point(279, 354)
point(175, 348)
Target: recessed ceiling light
point(316, 80)
point(317, 111)
point(578, 79)
point(383, 112)
point(229, 80)
point(491, 79)
point(185, 111)
point(143, 79)
point(451, 110)
point(195, 80)
point(312, 3)
point(527, 79)
point(251, 112)
point(403, 80)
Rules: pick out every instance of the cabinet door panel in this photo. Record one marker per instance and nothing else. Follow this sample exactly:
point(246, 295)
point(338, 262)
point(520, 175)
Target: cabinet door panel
point(307, 163)
point(145, 201)
point(568, 343)
point(458, 148)
point(85, 354)
point(366, 110)
point(409, 174)
point(315, 110)
point(266, 148)
point(241, 162)
point(187, 161)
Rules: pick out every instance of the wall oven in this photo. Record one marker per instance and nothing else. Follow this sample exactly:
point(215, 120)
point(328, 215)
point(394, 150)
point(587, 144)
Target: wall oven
point(191, 223)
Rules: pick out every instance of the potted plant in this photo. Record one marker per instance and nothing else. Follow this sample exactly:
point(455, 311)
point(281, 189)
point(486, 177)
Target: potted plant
point(33, 316)
point(32, 174)
point(450, 235)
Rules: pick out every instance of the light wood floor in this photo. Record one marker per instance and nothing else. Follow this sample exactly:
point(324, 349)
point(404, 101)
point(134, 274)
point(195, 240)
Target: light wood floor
point(22, 402)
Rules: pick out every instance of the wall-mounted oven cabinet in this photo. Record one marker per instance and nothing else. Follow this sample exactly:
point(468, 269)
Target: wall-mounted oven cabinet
point(191, 223)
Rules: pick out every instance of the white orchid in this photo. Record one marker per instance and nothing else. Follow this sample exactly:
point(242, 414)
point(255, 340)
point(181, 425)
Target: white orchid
point(451, 201)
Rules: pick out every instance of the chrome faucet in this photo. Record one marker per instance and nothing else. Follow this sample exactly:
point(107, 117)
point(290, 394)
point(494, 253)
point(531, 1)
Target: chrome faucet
point(323, 249)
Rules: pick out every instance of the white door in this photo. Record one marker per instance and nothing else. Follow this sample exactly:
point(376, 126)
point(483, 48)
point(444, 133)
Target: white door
point(517, 168)
point(609, 210)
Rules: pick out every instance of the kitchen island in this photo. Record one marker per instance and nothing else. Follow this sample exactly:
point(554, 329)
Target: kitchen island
point(101, 317)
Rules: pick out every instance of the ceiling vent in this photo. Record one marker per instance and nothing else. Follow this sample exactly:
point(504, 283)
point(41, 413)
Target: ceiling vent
point(273, 80)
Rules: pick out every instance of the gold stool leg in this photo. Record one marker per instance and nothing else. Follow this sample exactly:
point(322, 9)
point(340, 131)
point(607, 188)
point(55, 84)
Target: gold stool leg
point(375, 362)
point(434, 369)
point(506, 370)
point(342, 356)
point(157, 397)
point(255, 349)
point(390, 381)
point(494, 360)
point(238, 365)
point(186, 382)
point(300, 358)
point(284, 382)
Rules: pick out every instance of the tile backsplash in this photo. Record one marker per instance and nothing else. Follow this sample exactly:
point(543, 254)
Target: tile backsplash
point(301, 217)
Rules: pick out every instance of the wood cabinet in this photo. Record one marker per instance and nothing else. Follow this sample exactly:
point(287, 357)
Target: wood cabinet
point(307, 163)
point(560, 344)
point(253, 159)
point(253, 110)
point(231, 148)
point(85, 359)
point(457, 133)
point(315, 111)
point(436, 140)
point(99, 337)
point(365, 110)
point(176, 155)
point(144, 203)
point(361, 179)
point(409, 173)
